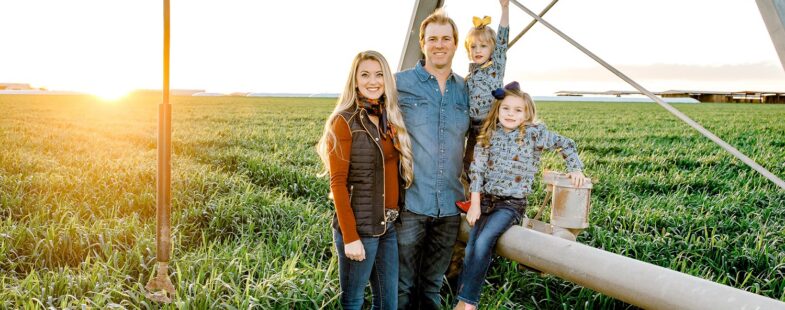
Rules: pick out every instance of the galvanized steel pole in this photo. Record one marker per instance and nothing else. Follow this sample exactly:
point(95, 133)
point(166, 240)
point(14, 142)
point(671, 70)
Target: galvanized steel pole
point(531, 24)
point(763, 171)
point(635, 282)
point(773, 13)
point(411, 47)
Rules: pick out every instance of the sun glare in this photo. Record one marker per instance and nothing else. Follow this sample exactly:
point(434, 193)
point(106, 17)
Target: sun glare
point(110, 93)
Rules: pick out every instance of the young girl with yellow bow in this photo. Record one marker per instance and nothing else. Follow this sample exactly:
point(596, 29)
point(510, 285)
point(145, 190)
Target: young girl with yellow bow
point(488, 55)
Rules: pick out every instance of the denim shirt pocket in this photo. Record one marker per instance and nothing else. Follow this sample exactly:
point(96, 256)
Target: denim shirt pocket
point(414, 111)
point(460, 117)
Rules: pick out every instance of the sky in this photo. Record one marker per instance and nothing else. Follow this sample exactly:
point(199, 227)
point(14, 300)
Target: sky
point(114, 46)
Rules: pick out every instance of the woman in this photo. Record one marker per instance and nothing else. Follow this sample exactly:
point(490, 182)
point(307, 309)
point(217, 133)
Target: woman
point(366, 150)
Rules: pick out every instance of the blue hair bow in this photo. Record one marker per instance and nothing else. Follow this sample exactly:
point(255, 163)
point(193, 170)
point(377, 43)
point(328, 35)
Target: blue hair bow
point(499, 92)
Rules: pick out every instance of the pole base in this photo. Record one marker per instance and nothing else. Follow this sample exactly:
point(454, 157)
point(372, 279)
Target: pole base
point(160, 287)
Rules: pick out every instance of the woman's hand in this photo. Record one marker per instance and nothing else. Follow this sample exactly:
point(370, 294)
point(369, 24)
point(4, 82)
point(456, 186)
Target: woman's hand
point(474, 211)
point(354, 250)
point(578, 178)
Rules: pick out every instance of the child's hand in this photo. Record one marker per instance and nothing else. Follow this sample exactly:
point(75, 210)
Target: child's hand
point(474, 213)
point(578, 178)
point(504, 3)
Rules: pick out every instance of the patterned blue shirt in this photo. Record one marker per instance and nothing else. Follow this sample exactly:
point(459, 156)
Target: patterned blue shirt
point(437, 125)
point(507, 168)
point(483, 79)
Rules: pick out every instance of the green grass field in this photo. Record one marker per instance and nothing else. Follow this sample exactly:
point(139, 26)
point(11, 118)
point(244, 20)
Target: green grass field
point(251, 216)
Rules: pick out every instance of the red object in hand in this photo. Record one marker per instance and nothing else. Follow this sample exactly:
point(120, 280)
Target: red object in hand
point(464, 205)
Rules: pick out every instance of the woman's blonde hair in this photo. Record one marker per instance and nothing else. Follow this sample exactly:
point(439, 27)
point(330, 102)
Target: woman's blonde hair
point(489, 125)
point(479, 34)
point(347, 101)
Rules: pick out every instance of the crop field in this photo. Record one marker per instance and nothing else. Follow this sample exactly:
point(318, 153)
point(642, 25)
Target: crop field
point(251, 215)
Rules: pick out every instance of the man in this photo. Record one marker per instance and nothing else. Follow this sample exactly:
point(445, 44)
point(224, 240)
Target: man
point(435, 105)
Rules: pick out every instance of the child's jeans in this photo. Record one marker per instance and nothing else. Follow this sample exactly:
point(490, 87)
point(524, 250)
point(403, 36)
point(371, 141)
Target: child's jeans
point(479, 248)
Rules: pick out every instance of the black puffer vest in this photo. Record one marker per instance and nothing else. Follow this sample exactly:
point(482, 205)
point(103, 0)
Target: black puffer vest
point(365, 180)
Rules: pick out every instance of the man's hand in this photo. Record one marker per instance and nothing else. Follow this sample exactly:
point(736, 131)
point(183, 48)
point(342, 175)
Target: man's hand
point(354, 250)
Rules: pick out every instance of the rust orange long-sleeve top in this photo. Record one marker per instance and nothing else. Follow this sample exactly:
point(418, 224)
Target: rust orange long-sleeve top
point(340, 156)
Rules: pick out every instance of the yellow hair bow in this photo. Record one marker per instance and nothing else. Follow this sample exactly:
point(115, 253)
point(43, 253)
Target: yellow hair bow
point(481, 22)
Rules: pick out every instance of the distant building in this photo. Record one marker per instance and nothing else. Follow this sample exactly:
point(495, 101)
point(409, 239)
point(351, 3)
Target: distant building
point(745, 96)
point(172, 92)
point(206, 94)
point(700, 95)
point(15, 86)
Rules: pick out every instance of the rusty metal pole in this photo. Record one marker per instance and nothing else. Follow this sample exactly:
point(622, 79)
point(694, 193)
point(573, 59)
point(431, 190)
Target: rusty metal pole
point(160, 287)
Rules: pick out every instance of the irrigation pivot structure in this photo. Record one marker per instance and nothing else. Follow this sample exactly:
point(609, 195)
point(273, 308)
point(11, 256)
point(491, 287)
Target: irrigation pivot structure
point(555, 256)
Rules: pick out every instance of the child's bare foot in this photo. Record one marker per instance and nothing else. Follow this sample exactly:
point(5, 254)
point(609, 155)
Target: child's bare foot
point(460, 306)
point(470, 307)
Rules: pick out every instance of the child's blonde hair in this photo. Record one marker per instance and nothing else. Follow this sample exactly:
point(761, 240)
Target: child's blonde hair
point(348, 100)
point(479, 34)
point(489, 125)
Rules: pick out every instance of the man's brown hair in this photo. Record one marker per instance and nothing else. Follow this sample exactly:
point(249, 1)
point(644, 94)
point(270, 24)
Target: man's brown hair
point(438, 17)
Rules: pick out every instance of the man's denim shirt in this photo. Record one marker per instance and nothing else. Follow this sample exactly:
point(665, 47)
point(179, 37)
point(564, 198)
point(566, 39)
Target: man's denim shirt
point(437, 125)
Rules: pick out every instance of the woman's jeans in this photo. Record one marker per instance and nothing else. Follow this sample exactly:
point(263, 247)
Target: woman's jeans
point(479, 248)
point(380, 266)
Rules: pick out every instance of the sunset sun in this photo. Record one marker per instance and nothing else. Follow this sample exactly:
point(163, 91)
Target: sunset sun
point(110, 93)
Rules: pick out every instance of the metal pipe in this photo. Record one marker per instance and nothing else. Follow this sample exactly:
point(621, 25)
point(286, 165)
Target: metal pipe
point(634, 282)
point(773, 14)
point(531, 24)
point(160, 287)
point(779, 182)
point(411, 47)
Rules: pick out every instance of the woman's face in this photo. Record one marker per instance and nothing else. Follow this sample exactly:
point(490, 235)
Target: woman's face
point(370, 79)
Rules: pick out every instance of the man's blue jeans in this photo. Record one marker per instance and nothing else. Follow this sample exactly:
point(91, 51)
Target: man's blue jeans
point(380, 267)
point(479, 248)
point(425, 248)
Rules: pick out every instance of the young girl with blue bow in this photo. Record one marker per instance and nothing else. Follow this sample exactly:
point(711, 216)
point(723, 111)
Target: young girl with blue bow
point(506, 160)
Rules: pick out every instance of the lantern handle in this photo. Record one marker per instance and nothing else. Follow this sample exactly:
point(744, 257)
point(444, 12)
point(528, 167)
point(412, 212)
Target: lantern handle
point(548, 194)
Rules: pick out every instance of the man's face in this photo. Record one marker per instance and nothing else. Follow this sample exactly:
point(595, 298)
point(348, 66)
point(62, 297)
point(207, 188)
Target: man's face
point(439, 45)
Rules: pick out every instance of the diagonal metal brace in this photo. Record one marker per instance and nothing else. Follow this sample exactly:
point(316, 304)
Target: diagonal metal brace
point(763, 171)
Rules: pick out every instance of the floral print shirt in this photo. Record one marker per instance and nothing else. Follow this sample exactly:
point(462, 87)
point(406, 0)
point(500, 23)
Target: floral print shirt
point(507, 168)
point(483, 79)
